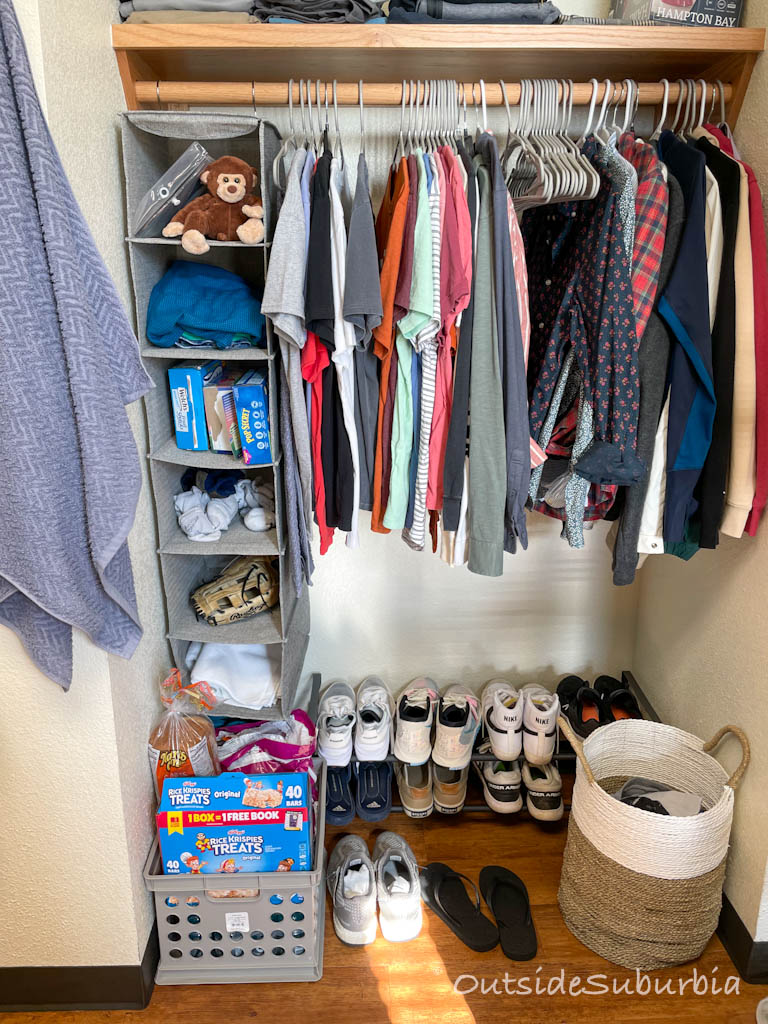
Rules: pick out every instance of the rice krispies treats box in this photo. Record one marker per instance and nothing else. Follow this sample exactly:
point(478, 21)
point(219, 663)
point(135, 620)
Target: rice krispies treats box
point(235, 822)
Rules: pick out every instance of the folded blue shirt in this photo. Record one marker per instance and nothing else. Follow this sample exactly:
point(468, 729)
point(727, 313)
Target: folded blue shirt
point(205, 301)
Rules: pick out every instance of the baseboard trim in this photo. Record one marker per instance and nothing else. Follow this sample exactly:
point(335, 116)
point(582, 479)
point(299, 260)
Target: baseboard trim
point(126, 987)
point(750, 958)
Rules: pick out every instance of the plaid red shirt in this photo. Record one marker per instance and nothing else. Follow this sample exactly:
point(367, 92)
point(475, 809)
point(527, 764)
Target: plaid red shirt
point(651, 210)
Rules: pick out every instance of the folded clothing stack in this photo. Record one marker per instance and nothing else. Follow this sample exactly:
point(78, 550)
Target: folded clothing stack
point(129, 7)
point(326, 11)
point(194, 305)
point(229, 11)
point(238, 675)
point(465, 12)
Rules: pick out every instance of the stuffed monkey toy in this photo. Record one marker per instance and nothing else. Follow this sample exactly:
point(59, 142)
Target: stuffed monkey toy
point(230, 212)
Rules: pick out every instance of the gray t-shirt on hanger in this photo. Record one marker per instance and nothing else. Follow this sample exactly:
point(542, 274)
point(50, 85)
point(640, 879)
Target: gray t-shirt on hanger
point(283, 303)
point(362, 308)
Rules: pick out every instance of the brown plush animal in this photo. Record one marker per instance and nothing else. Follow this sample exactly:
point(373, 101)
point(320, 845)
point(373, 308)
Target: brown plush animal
point(230, 212)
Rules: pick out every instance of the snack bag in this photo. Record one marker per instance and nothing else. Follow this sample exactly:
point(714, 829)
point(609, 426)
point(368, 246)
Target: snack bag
point(182, 742)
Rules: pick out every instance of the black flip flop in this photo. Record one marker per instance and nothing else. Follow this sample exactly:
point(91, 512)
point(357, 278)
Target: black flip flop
point(507, 897)
point(442, 889)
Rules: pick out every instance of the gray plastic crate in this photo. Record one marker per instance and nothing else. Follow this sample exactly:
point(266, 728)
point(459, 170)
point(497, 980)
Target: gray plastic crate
point(276, 935)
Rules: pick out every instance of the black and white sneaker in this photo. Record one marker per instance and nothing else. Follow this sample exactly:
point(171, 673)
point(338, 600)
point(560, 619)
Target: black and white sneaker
point(544, 791)
point(501, 782)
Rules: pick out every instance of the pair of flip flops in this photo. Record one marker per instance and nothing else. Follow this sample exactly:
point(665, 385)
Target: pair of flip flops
point(372, 800)
point(444, 892)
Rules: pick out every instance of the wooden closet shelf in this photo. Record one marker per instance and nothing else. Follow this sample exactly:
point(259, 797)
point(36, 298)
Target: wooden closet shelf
point(388, 53)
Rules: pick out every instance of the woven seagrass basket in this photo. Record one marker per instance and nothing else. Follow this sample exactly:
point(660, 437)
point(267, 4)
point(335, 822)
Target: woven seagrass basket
point(644, 890)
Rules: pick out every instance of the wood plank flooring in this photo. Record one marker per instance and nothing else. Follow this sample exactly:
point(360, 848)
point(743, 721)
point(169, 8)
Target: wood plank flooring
point(414, 983)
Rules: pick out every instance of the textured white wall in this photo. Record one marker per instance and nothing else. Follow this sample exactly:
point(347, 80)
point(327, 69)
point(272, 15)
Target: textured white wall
point(75, 764)
point(702, 635)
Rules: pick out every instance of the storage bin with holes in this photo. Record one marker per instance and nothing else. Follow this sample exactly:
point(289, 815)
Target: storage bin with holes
point(246, 927)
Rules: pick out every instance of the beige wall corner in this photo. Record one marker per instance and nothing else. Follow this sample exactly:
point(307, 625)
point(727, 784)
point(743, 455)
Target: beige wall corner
point(700, 656)
point(702, 637)
point(77, 798)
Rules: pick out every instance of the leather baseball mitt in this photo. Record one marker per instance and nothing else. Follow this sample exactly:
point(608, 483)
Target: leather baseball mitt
point(247, 586)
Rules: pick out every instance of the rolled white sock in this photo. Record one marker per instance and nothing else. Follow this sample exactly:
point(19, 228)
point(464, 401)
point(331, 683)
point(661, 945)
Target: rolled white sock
point(256, 519)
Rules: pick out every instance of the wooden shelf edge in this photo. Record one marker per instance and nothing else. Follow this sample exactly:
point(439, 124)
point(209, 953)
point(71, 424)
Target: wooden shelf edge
point(436, 37)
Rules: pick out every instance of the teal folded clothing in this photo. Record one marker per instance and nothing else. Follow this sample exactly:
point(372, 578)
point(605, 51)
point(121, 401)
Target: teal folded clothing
point(195, 300)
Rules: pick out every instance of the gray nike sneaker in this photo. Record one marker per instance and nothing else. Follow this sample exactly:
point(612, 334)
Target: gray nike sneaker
point(352, 885)
point(398, 888)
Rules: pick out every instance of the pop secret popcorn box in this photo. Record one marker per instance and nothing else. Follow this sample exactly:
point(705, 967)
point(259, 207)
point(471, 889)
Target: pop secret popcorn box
point(235, 822)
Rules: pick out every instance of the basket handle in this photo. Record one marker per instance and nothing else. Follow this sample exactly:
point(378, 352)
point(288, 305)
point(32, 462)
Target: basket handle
point(740, 735)
point(578, 747)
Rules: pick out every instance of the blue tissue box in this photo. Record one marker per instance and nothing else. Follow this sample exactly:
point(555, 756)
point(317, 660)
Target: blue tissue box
point(252, 406)
point(187, 382)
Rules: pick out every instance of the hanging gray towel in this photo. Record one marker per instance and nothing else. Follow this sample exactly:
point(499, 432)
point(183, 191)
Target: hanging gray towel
point(69, 364)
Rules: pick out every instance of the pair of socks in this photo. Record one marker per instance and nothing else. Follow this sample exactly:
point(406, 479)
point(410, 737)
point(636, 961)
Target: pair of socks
point(203, 518)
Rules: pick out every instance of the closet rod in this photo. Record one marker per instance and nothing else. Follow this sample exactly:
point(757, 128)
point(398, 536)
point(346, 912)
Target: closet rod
point(375, 94)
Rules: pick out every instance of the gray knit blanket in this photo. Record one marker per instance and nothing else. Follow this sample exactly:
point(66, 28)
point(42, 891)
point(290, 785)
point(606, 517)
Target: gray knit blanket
point(69, 364)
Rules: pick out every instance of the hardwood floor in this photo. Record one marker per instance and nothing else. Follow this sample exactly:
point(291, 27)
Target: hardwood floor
point(414, 983)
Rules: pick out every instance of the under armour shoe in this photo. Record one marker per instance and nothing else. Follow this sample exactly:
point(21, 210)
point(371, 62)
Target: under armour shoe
point(458, 720)
point(502, 708)
point(374, 720)
point(335, 723)
point(398, 888)
point(501, 782)
point(449, 787)
point(352, 884)
point(544, 791)
point(539, 723)
point(415, 785)
point(413, 722)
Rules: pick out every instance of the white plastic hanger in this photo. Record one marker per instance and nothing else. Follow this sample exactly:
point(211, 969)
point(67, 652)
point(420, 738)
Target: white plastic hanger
point(362, 116)
point(664, 108)
point(277, 163)
point(337, 141)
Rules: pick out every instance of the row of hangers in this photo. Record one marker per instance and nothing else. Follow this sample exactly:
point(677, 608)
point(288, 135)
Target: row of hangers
point(541, 162)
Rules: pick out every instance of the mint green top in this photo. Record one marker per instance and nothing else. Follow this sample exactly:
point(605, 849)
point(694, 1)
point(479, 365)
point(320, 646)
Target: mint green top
point(421, 303)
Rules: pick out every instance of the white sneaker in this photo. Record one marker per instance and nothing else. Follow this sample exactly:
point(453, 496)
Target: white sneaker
point(539, 723)
point(335, 723)
point(397, 888)
point(413, 722)
point(458, 720)
point(374, 720)
point(501, 782)
point(503, 718)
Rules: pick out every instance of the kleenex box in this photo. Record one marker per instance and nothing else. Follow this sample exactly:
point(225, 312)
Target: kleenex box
point(187, 381)
point(235, 822)
point(252, 405)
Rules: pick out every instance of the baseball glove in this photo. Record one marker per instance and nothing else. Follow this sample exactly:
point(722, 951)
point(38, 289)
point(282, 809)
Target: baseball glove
point(246, 587)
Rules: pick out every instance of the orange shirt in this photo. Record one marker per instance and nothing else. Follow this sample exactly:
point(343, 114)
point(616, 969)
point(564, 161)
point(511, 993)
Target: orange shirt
point(390, 225)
